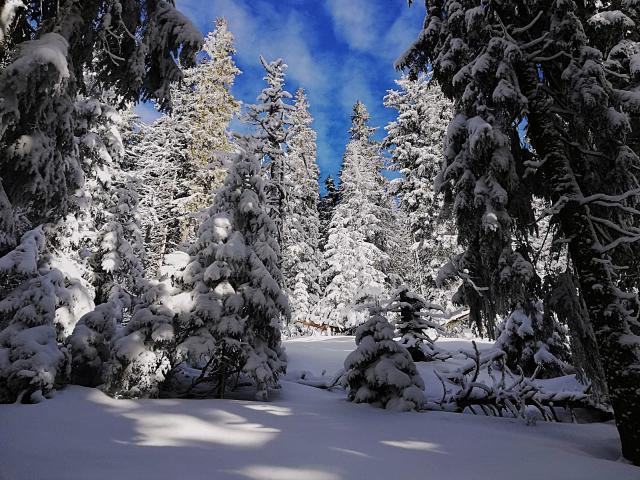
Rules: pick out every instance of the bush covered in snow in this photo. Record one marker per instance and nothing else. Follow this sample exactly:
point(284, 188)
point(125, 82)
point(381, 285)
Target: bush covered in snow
point(380, 371)
point(416, 320)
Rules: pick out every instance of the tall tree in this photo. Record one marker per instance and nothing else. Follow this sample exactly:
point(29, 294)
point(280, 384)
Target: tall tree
point(271, 118)
point(567, 69)
point(236, 285)
point(188, 140)
point(354, 253)
point(211, 106)
point(52, 43)
point(416, 142)
point(301, 257)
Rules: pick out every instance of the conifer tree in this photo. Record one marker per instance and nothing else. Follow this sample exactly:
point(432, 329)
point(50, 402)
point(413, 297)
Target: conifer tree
point(416, 318)
point(380, 371)
point(416, 142)
point(236, 285)
point(301, 257)
point(52, 43)
point(271, 118)
point(210, 105)
point(354, 253)
point(566, 68)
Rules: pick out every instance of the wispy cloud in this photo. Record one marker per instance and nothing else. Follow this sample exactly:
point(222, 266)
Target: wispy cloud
point(340, 51)
point(355, 21)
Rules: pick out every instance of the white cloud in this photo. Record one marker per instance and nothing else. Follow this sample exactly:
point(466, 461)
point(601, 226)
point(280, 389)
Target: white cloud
point(270, 33)
point(355, 21)
point(383, 30)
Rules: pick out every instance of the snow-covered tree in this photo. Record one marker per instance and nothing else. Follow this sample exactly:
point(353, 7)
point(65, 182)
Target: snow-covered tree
point(236, 285)
point(571, 72)
point(531, 339)
point(176, 155)
point(354, 255)
point(40, 163)
point(142, 354)
point(325, 210)
point(271, 118)
point(380, 371)
point(207, 95)
point(156, 154)
point(416, 142)
point(301, 257)
point(416, 324)
point(37, 311)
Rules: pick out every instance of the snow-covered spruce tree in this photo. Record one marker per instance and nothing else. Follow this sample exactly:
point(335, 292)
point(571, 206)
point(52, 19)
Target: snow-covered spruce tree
point(271, 118)
point(101, 235)
point(325, 210)
point(236, 285)
point(95, 248)
point(570, 70)
point(492, 204)
point(187, 141)
point(416, 142)
point(156, 155)
point(380, 371)
point(532, 339)
point(143, 353)
point(40, 164)
point(417, 318)
point(301, 257)
point(39, 304)
point(207, 95)
point(354, 255)
point(54, 155)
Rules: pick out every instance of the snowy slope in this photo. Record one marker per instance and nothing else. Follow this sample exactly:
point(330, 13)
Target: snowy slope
point(305, 433)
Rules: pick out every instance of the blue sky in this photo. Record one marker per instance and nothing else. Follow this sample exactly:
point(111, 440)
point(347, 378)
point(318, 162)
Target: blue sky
point(340, 51)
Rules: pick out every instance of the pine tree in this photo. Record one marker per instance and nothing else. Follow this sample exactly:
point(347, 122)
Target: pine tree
point(301, 257)
point(416, 142)
point(325, 210)
point(567, 69)
point(207, 96)
point(236, 285)
point(36, 312)
point(271, 118)
point(354, 253)
point(52, 43)
point(416, 317)
point(380, 371)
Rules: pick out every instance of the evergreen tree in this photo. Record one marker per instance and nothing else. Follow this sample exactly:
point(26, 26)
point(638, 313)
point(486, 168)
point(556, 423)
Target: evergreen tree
point(271, 118)
point(301, 257)
point(380, 371)
point(416, 317)
point(176, 155)
point(52, 43)
point(206, 95)
point(236, 285)
point(157, 154)
point(36, 312)
point(354, 253)
point(566, 68)
point(416, 142)
point(325, 210)
point(143, 353)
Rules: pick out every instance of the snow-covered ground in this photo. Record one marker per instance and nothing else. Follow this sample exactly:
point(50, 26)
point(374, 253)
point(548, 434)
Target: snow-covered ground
point(303, 434)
